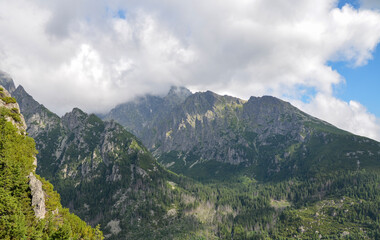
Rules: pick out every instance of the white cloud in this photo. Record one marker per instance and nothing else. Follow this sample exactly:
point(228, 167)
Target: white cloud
point(351, 116)
point(77, 53)
point(87, 66)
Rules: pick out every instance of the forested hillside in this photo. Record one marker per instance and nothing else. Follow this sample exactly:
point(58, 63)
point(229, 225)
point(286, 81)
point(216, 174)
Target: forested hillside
point(29, 207)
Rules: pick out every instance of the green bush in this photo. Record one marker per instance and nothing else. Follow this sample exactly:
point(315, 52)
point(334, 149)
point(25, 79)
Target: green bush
point(8, 100)
point(13, 113)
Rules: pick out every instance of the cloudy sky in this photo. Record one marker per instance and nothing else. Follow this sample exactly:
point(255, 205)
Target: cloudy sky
point(322, 56)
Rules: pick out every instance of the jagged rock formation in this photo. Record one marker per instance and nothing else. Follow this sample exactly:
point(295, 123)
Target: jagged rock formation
point(38, 118)
point(212, 136)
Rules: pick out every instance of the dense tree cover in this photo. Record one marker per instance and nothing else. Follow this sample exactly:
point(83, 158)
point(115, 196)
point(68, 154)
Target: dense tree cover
point(17, 218)
point(337, 205)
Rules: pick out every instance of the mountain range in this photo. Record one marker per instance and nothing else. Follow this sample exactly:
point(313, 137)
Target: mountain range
point(209, 136)
point(102, 172)
point(226, 168)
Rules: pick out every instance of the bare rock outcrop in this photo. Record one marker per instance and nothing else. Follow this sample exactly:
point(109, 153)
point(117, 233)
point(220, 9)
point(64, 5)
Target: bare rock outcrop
point(38, 196)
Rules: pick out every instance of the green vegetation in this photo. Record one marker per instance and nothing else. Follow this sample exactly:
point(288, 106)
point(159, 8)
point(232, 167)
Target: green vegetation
point(17, 220)
point(8, 100)
point(13, 113)
point(325, 187)
point(333, 206)
point(201, 171)
point(5, 98)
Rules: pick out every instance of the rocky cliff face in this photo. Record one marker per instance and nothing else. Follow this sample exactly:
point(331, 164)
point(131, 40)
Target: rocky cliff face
point(211, 135)
point(201, 126)
point(38, 118)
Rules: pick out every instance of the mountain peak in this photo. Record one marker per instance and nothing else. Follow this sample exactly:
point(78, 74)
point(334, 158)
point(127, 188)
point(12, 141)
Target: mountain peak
point(177, 95)
point(179, 90)
point(27, 103)
point(268, 104)
point(74, 118)
point(7, 82)
point(266, 99)
point(209, 99)
point(78, 112)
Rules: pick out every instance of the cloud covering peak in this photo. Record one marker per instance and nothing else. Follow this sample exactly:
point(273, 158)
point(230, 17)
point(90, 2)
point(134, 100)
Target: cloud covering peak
point(96, 54)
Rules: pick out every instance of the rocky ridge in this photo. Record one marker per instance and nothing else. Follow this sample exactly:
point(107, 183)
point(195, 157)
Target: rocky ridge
point(212, 135)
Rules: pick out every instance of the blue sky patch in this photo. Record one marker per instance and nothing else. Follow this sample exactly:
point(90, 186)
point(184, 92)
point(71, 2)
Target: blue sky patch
point(362, 83)
point(354, 3)
point(121, 14)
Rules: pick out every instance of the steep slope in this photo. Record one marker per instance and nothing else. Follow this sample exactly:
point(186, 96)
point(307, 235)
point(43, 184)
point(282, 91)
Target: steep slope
point(104, 174)
point(38, 117)
point(209, 136)
point(44, 126)
point(319, 181)
point(29, 207)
